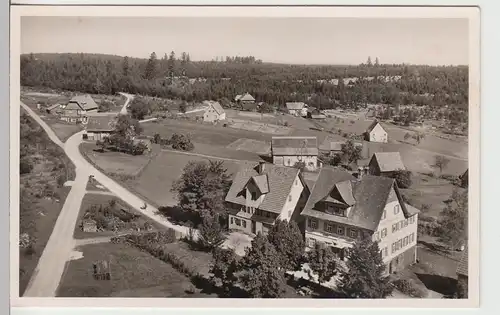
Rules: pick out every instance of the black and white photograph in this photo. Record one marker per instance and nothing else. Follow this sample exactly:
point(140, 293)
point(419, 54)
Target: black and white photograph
point(220, 153)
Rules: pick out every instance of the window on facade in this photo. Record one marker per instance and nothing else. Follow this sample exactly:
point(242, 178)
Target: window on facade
point(238, 223)
point(407, 239)
point(412, 237)
point(411, 219)
point(353, 233)
point(329, 227)
point(406, 222)
point(311, 242)
point(244, 223)
point(289, 197)
point(232, 220)
point(396, 209)
point(254, 195)
point(289, 162)
point(383, 233)
point(340, 230)
point(384, 214)
point(312, 223)
point(377, 236)
point(394, 248)
point(394, 227)
point(400, 243)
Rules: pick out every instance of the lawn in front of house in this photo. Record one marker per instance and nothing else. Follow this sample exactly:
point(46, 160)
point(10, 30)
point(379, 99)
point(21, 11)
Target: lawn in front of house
point(134, 273)
point(117, 163)
point(166, 168)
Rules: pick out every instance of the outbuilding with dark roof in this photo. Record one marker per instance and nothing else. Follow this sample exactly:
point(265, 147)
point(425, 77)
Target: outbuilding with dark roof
point(385, 163)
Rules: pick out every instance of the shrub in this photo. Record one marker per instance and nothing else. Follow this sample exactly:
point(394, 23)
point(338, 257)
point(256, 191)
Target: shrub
point(25, 166)
point(61, 179)
point(403, 178)
point(408, 287)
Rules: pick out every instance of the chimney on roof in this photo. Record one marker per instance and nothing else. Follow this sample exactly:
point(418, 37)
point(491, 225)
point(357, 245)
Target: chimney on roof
point(261, 167)
point(361, 172)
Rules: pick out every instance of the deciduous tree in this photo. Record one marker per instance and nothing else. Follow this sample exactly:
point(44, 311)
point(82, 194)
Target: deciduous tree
point(224, 268)
point(350, 152)
point(288, 242)
point(211, 231)
point(203, 186)
point(453, 222)
point(261, 274)
point(323, 262)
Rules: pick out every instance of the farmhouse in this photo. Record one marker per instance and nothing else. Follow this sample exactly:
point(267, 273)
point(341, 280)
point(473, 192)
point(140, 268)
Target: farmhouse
point(331, 147)
point(375, 133)
point(247, 98)
point(288, 151)
point(214, 112)
point(297, 108)
point(463, 274)
point(264, 193)
point(385, 163)
point(100, 126)
point(53, 109)
point(78, 108)
point(342, 209)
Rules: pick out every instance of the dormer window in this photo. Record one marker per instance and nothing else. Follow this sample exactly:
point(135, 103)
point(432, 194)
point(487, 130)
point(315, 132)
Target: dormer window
point(254, 195)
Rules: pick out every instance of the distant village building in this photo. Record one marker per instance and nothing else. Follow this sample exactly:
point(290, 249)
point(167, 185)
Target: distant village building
point(463, 275)
point(375, 133)
point(343, 209)
point(246, 98)
point(214, 112)
point(249, 107)
point(100, 126)
point(331, 147)
point(385, 163)
point(288, 151)
point(297, 108)
point(78, 109)
point(53, 109)
point(263, 193)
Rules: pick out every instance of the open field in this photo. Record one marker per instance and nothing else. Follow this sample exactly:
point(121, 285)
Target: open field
point(200, 133)
point(98, 200)
point(431, 192)
point(165, 169)
point(195, 260)
point(117, 162)
point(259, 127)
point(249, 145)
point(134, 273)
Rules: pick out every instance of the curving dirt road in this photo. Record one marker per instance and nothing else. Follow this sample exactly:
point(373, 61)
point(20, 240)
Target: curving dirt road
point(50, 268)
point(129, 97)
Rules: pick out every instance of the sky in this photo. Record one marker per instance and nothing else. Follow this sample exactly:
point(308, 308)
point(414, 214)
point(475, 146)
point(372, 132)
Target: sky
point(282, 40)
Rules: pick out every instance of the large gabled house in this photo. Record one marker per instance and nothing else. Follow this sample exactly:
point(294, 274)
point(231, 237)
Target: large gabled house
point(213, 112)
point(342, 209)
point(78, 108)
point(289, 150)
point(376, 133)
point(100, 126)
point(263, 193)
point(385, 163)
point(297, 108)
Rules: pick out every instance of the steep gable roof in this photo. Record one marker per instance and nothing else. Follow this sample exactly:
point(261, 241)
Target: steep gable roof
point(280, 182)
point(238, 97)
point(388, 161)
point(463, 266)
point(216, 106)
point(294, 146)
point(85, 102)
point(261, 183)
point(247, 97)
point(344, 192)
point(370, 196)
point(101, 122)
point(373, 125)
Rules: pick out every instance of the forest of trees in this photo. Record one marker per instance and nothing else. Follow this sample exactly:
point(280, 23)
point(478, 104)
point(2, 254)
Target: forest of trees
point(270, 83)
